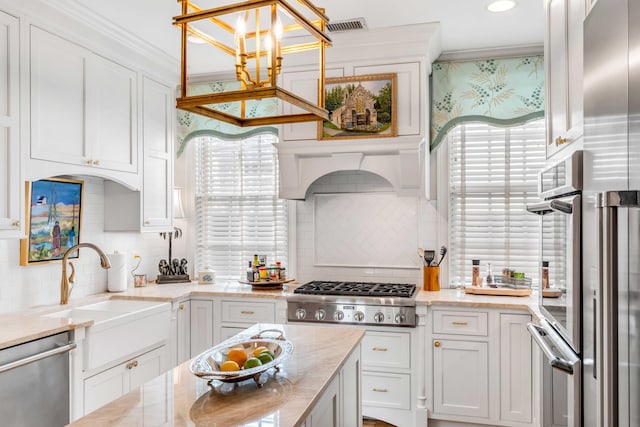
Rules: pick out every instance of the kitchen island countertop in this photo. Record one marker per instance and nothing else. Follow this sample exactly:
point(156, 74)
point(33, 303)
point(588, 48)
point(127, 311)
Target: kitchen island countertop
point(180, 399)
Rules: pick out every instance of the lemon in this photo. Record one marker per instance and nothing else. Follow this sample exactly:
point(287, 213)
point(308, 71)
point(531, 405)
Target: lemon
point(252, 362)
point(237, 355)
point(229, 365)
point(259, 350)
point(265, 358)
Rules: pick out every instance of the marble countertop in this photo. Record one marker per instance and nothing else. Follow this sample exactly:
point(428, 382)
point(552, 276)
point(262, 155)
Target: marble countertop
point(180, 399)
point(30, 325)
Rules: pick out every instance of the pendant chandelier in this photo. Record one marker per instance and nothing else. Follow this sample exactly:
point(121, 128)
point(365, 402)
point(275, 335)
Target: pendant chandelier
point(255, 35)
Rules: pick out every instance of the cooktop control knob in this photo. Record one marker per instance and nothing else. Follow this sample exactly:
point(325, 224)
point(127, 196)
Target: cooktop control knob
point(378, 317)
point(358, 316)
point(338, 315)
point(400, 318)
point(320, 314)
point(301, 313)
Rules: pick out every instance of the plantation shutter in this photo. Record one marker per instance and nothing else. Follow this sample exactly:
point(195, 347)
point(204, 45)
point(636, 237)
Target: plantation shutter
point(492, 176)
point(238, 210)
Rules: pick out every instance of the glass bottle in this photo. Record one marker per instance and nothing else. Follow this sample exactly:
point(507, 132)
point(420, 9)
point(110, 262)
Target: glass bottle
point(545, 275)
point(490, 281)
point(475, 273)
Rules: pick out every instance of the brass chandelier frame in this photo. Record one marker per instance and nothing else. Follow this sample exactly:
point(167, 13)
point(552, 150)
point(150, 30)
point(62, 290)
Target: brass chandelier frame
point(255, 84)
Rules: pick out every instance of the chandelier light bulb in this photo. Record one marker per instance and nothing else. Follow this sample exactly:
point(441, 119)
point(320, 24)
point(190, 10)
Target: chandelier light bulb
point(241, 27)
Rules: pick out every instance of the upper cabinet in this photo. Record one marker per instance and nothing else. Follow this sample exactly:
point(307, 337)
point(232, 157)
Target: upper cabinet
point(83, 109)
point(157, 135)
point(10, 187)
point(563, 62)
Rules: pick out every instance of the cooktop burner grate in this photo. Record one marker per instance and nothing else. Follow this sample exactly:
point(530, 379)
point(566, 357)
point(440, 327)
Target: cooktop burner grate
point(366, 289)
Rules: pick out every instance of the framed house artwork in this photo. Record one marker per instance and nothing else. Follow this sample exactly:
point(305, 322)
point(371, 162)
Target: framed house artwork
point(360, 107)
point(53, 219)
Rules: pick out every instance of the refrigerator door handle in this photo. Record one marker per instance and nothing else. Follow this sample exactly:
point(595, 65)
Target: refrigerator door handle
point(606, 351)
point(557, 351)
point(548, 206)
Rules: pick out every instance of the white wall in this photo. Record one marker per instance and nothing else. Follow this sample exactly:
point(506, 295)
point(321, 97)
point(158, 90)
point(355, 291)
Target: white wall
point(26, 287)
point(353, 182)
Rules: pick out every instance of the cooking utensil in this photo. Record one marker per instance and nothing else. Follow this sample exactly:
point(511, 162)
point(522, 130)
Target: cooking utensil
point(429, 255)
point(443, 252)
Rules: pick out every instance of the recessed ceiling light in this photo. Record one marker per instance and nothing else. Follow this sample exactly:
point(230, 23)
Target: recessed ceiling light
point(501, 5)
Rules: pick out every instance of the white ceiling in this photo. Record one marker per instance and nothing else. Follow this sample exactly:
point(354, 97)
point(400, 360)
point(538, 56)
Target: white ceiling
point(465, 24)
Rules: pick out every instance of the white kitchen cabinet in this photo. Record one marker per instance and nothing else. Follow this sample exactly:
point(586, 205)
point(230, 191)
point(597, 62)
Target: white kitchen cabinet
point(339, 405)
point(233, 315)
point(112, 383)
point(481, 367)
point(83, 107)
point(183, 332)
point(516, 382)
point(150, 208)
point(563, 72)
point(201, 326)
point(461, 386)
point(157, 136)
point(11, 211)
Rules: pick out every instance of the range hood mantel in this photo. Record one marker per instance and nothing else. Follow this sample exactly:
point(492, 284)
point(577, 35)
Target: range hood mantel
point(303, 162)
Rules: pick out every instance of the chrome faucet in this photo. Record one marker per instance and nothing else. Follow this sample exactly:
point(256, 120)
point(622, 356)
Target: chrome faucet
point(64, 284)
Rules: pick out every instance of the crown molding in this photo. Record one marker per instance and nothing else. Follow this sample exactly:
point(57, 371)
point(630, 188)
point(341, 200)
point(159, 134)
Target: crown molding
point(492, 53)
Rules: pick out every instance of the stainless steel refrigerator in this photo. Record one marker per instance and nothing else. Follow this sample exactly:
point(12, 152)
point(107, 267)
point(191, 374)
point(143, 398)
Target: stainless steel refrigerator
point(611, 216)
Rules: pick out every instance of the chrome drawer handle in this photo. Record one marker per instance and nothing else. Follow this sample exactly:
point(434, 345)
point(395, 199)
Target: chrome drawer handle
point(16, 224)
point(246, 312)
point(460, 323)
point(380, 390)
point(379, 349)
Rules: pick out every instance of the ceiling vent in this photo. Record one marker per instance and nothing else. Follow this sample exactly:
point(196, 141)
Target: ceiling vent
point(348, 25)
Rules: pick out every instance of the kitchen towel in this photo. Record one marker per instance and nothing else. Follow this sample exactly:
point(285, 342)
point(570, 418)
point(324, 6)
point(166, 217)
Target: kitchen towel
point(117, 274)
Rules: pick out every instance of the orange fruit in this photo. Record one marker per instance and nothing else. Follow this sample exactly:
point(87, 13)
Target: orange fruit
point(237, 355)
point(259, 350)
point(229, 365)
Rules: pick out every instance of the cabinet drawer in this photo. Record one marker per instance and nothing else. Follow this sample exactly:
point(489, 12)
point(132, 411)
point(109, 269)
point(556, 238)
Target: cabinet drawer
point(460, 323)
point(386, 390)
point(248, 312)
point(389, 350)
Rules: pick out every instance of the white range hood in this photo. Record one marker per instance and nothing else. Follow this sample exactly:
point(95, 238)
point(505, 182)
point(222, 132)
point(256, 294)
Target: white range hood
point(399, 160)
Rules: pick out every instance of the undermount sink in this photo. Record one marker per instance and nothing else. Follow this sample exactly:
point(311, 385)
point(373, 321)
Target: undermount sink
point(134, 325)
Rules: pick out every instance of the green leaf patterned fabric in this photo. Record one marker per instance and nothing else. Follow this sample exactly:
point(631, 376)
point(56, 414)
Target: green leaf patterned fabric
point(191, 125)
point(503, 92)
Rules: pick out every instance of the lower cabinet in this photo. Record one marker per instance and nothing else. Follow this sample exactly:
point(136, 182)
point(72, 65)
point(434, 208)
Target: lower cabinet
point(182, 340)
point(481, 367)
point(462, 384)
point(201, 326)
point(114, 382)
point(339, 405)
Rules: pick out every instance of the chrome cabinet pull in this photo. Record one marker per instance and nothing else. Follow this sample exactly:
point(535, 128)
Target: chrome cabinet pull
point(460, 323)
point(380, 390)
point(16, 224)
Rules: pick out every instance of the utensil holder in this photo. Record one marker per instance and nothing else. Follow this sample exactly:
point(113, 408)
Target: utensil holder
point(431, 278)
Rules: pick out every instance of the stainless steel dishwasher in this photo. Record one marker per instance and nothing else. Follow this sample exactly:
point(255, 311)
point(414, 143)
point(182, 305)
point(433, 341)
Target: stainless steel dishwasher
point(34, 382)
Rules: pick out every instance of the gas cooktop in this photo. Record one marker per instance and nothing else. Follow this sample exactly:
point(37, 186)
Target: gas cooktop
point(364, 289)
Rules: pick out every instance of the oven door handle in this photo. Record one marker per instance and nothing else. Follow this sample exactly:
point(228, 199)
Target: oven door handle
point(563, 359)
point(549, 206)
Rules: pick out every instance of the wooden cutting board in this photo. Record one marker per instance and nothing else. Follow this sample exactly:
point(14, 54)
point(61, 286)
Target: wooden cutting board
point(476, 290)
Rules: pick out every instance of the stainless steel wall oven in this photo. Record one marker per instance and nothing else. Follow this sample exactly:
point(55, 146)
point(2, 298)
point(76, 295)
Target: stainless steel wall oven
point(559, 334)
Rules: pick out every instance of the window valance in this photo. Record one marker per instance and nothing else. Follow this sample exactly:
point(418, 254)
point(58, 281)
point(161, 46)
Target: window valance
point(191, 125)
point(502, 92)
